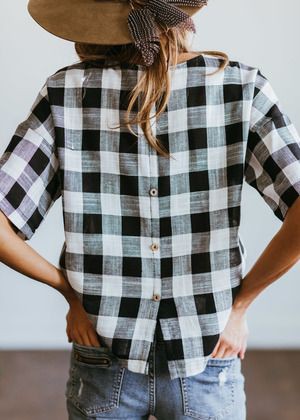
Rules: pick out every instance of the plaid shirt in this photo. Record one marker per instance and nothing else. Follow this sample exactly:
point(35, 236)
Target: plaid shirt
point(148, 239)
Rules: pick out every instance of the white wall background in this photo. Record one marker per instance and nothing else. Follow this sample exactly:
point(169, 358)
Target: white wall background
point(263, 34)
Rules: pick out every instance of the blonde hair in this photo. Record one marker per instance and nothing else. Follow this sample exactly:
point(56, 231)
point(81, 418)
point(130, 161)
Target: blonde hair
point(155, 84)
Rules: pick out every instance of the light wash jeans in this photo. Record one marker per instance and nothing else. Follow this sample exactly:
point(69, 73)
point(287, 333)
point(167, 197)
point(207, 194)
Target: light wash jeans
point(98, 388)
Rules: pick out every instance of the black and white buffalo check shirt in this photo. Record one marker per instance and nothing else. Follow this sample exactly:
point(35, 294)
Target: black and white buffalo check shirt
point(150, 239)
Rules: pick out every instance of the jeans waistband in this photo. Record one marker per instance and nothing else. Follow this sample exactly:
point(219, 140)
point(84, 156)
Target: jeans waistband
point(158, 332)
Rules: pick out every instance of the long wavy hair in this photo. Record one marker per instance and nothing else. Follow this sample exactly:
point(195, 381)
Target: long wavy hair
point(154, 87)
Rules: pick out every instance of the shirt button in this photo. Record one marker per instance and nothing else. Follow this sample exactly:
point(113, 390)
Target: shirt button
point(154, 247)
point(156, 297)
point(153, 191)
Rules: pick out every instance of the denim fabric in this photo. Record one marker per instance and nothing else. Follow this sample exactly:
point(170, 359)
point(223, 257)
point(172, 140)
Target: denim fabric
point(99, 388)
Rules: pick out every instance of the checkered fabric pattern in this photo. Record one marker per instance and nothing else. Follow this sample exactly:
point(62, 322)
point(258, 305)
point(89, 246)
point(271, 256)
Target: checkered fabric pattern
point(148, 239)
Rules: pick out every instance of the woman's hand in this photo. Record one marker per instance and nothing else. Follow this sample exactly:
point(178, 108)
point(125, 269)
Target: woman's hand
point(79, 327)
point(233, 339)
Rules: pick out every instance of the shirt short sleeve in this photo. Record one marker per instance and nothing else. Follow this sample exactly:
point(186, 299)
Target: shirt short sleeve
point(29, 169)
point(272, 160)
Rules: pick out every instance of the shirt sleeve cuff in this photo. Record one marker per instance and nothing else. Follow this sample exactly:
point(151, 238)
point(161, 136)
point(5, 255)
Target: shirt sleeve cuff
point(16, 218)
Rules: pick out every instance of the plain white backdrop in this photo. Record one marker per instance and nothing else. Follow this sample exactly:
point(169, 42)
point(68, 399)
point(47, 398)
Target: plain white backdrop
point(262, 34)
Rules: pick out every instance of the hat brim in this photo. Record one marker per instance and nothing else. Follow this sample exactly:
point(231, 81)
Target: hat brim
point(88, 21)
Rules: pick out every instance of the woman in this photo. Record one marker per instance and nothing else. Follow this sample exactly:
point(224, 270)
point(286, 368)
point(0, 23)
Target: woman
point(152, 265)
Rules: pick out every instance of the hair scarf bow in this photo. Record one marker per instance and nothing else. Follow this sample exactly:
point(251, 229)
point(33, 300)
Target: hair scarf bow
point(143, 27)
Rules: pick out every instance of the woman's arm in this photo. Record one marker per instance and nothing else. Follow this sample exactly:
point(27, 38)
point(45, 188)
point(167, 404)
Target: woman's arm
point(282, 252)
point(17, 254)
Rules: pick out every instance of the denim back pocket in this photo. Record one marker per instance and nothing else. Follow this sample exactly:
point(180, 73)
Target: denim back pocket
point(95, 379)
point(211, 394)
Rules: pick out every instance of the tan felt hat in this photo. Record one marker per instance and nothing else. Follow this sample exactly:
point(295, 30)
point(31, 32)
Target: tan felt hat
point(90, 21)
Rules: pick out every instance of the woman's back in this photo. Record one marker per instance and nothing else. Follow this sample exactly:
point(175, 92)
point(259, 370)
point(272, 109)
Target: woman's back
point(149, 237)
